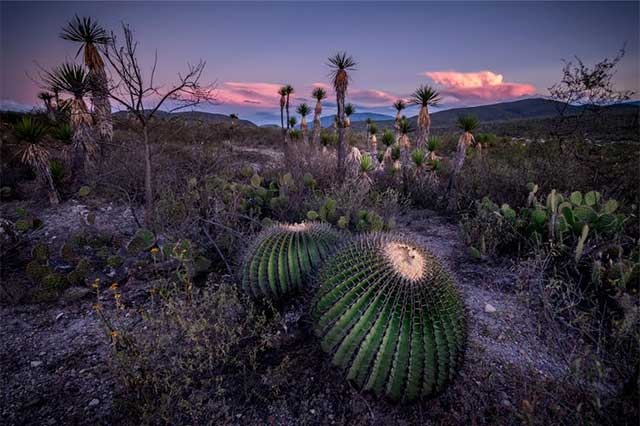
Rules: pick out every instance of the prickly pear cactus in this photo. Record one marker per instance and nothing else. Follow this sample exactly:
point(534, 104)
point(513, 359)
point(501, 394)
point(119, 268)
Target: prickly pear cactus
point(390, 316)
point(284, 255)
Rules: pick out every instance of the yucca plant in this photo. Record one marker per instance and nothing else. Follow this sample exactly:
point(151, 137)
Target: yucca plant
point(283, 101)
point(91, 36)
point(348, 112)
point(73, 79)
point(419, 158)
point(303, 109)
point(366, 164)
point(373, 141)
point(389, 315)
point(424, 96)
point(467, 124)
point(46, 98)
point(31, 133)
point(340, 65)
point(289, 90)
point(388, 138)
point(292, 122)
point(283, 257)
point(399, 105)
point(319, 94)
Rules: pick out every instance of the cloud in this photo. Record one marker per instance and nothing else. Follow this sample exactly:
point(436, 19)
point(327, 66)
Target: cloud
point(242, 93)
point(477, 87)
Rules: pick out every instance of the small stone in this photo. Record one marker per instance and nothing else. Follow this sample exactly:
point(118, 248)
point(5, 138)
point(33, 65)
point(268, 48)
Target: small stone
point(94, 402)
point(312, 411)
point(60, 315)
point(36, 363)
point(42, 353)
point(238, 415)
point(489, 308)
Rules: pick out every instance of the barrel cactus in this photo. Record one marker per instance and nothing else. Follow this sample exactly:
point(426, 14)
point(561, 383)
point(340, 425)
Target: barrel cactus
point(390, 316)
point(284, 255)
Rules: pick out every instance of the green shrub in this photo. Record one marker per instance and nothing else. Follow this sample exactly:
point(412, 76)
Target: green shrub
point(142, 240)
point(282, 258)
point(390, 316)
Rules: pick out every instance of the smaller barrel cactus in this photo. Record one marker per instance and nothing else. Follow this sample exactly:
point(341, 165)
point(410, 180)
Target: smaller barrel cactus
point(390, 316)
point(284, 255)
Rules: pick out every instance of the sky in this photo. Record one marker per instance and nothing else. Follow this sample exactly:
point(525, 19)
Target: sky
point(473, 53)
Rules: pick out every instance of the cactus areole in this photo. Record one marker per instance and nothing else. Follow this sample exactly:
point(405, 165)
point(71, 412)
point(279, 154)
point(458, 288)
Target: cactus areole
point(282, 258)
point(390, 316)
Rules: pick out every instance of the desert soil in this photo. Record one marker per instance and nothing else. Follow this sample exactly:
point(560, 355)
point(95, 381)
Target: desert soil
point(54, 356)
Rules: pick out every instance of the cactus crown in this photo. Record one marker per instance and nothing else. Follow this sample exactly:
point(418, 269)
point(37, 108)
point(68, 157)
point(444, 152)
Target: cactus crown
point(391, 317)
point(283, 257)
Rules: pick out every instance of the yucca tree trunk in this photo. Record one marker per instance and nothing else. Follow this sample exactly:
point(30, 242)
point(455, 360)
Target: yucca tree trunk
point(404, 160)
point(45, 172)
point(284, 132)
point(373, 149)
point(342, 146)
point(82, 142)
point(303, 129)
point(464, 141)
point(315, 138)
point(424, 123)
point(101, 104)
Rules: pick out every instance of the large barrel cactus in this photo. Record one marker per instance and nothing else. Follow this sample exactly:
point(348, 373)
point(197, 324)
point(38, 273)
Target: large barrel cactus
point(283, 256)
point(390, 315)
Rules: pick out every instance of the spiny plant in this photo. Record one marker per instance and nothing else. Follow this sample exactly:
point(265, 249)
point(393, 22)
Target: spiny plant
point(341, 64)
point(390, 316)
point(366, 164)
point(63, 133)
point(399, 105)
point(388, 138)
point(319, 94)
point(91, 36)
point(419, 158)
point(348, 111)
point(283, 256)
point(424, 96)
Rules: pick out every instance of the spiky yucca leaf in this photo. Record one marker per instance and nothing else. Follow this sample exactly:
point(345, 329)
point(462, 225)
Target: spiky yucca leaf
point(399, 105)
point(425, 96)
point(366, 164)
point(70, 78)
point(303, 110)
point(63, 132)
point(30, 130)
point(319, 94)
point(349, 109)
point(388, 138)
point(90, 34)
point(283, 256)
point(468, 123)
point(390, 316)
point(419, 157)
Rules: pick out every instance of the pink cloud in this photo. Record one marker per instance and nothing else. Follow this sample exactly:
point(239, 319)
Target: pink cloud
point(255, 93)
point(482, 86)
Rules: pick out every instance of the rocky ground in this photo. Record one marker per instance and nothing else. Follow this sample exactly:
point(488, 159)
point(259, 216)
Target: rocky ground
point(54, 357)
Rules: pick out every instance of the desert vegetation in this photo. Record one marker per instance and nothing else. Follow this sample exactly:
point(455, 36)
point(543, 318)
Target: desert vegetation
point(221, 273)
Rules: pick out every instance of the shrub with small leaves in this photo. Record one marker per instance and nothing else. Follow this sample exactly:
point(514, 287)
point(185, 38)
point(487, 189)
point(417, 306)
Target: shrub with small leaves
point(391, 317)
point(283, 256)
point(142, 241)
point(84, 191)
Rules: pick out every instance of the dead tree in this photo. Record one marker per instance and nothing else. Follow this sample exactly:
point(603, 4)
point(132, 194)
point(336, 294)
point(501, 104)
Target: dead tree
point(134, 91)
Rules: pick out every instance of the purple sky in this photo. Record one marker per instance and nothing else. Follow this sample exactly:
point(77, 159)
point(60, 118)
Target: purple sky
point(474, 53)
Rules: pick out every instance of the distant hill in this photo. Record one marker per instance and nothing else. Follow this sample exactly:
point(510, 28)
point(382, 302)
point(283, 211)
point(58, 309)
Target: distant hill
point(356, 117)
point(506, 111)
point(207, 117)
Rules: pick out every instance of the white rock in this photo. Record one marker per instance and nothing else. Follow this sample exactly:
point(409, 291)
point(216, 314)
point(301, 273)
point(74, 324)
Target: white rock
point(489, 308)
point(94, 402)
point(60, 315)
point(36, 363)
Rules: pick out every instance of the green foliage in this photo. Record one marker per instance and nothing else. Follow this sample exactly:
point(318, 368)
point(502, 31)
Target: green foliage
point(36, 271)
point(433, 143)
point(303, 109)
point(468, 123)
point(309, 181)
point(388, 138)
point(114, 261)
point(366, 164)
point(40, 252)
point(328, 138)
point(425, 96)
point(373, 129)
point(395, 152)
point(349, 109)
point(247, 170)
point(419, 157)
point(63, 133)
point(23, 225)
point(319, 93)
point(30, 130)
point(282, 258)
point(295, 134)
point(142, 240)
point(55, 281)
point(84, 191)
point(328, 210)
point(57, 170)
point(369, 221)
point(70, 78)
point(390, 317)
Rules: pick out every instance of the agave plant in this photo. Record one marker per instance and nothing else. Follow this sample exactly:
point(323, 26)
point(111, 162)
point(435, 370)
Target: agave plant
point(319, 94)
point(91, 36)
point(283, 257)
point(73, 79)
point(303, 109)
point(340, 65)
point(31, 133)
point(390, 317)
point(424, 96)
